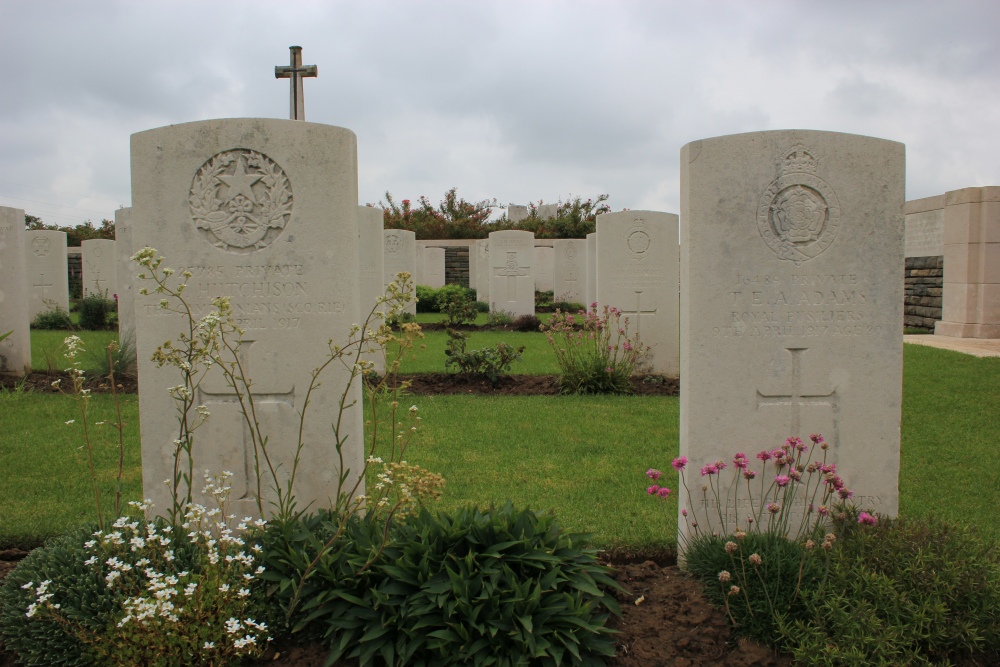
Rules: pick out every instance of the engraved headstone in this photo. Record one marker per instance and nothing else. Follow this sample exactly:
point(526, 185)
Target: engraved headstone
point(100, 267)
point(399, 256)
point(517, 212)
point(419, 278)
point(792, 306)
point(546, 211)
point(637, 273)
point(569, 279)
point(434, 267)
point(15, 349)
point(45, 256)
point(262, 211)
point(127, 273)
point(371, 269)
point(544, 263)
point(512, 279)
point(473, 265)
point(591, 268)
point(924, 227)
point(483, 270)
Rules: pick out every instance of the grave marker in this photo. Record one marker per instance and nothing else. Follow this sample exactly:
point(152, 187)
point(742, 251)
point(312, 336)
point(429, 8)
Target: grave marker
point(371, 269)
point(399, 256)
point(100, 267)
point(544, 262)
point(591, 269)
point(434, 267)
point(569, 279)
point(483, 270)
point(15, 349)
point(45, 256)
point(127, 273)
point(512, 280)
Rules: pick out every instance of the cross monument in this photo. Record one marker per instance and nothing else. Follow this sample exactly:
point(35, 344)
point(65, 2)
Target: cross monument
point(512, 271)
point(296, 71)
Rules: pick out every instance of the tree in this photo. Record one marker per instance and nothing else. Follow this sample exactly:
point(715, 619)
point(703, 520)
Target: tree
point(74, 235)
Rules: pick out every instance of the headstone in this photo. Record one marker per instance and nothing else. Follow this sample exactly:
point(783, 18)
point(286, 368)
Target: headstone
point(483, 270)
point(544, 263)
point(591, 269)
point(434, 267)
point(546, 211)
point(473, 265)
point(263, 211)
point(924, 227)
point(569, 279)
point(419, 278)
point(792, 306)
point(45, 255)
point(15, 349)
point(371, 269)
point(399, 257)
point(100, 267)
point(971, 304)
point(637, 268)
point(516, 212)
point(512, 280)
point(127, 273)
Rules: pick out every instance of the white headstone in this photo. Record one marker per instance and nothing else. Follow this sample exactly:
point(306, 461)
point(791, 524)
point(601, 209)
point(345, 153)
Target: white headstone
point(512, 280)
point(569, 279)
point(473, 265)
point(792, 306)
point(517, 213)
point(45, 254)
point(434, 267)
point(591, 268)
point(483, 270)
point(544, 262)
point(637, 269)
point(924, 227)
point(15, 349)
point(100, 267)
point(263, 211)
point(419, 278)
point(371, 269)
point(400, 256)
point(127, 273)
point(546, 211)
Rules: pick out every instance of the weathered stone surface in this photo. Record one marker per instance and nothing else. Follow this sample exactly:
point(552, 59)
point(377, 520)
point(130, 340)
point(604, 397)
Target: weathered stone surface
point(265, 212)
point(419, 278)
point(544, 265)
point(517, 212)
point(569, 277)
point(546, 211)
point(45, 256)
point(512, 276)
point(472, 263)
point(483, 270)
point(433, 267)
point(591, 268)
point(792, 306)
point(400, 256)
point(637, 273)
point(100, 267)
point(924, 233)
point(126, 272)
point(371, 269)
point(15, 349)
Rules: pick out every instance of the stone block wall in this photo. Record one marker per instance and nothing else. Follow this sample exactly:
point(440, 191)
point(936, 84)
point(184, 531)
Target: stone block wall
point(456, 266)
point(924, 285)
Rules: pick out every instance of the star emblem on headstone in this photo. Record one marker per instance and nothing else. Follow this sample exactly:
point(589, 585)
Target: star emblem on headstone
point(240, 182)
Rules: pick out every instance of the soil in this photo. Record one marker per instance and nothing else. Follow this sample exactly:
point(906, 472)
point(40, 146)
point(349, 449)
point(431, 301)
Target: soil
point(666, 622)
point(42, 383)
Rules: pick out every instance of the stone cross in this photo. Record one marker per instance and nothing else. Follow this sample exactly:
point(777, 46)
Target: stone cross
point(512, 271)
point(796, 399)
point(296, 71)
point(639, 312)
point(41, 283)
point(207, 398)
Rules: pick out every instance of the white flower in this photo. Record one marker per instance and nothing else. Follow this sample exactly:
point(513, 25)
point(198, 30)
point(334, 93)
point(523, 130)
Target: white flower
point(209, 645)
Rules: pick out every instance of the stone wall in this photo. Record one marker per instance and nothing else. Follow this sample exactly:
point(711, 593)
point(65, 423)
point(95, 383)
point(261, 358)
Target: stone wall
point(456, 266)
point(924, 284)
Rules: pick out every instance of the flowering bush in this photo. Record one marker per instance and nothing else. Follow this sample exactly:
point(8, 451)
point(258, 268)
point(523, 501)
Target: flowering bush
point(489, 362)
point(595, 352)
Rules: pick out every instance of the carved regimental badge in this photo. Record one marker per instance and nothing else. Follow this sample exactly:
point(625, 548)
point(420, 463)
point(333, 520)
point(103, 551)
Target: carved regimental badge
point(241, 201)
point(799, 214)
point(393, 244)
point(637, 240)
point(41, 246)
point(570, 251)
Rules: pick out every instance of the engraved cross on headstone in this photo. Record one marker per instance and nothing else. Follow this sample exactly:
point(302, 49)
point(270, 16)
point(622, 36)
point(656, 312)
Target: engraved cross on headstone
point(511, 271)
point(639, 312)
point(41, 283)
point(260, 398)
point(296, 71)
point(796, 399)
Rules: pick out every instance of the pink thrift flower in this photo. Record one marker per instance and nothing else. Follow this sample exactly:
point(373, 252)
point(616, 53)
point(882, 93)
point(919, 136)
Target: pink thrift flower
point(816, 438)
point(740, 460)
point(749, 474)
point(663, 492)
point(709, 469)
point(684, 513)
point(773, 508)
point(720, 465)
point(764, 455)
point(679, 463)
point(823, 510)
point(795, 474)
point(653, 473)
point(608, 369)
point(782, 480)
point(867, 519)
point(777, 454)
point(845, 493)
point(651, 490)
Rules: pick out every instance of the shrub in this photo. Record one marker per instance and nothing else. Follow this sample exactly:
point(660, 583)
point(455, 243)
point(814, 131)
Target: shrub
point(97, 312)
point(905, 591)
point(395, 321)
point(543, 301)
point(426, 299)
point(595, 352)
point(53, 318)
point(469, 587)
point(499, 318)
point(460, 310)
point(568, 306)
point(489, 362)
point(482, 307)
point(526, 323)
point(446, 293)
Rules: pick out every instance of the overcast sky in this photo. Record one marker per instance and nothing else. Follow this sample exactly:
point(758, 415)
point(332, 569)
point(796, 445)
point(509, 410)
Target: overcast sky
point(520, 101)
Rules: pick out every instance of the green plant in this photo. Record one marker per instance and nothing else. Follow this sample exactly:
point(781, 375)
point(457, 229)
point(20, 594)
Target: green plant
point(395, 321)
point(460, 310)
point(472, 587)
point(568, 306)
point(426, 299)
point(96, 311)
point(53, 318)
point(526, 322)
point(489, 362)
point(543, 301)
point(447, 293)
point(120, 357)
point(499, 318)
point(482, 307)
point(904, 591)
point(596, 352)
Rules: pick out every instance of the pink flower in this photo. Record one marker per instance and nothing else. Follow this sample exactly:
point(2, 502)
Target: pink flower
point(709, 469)
point(651, 490)
point(679, 463)
point(749, 474)
point(764, 455)
point(867, 519)
point(795, 474)
point(782, 480)
point(823, 510)
point(663, 492)
point(816, 438)
point(845, 493)
point(777, 454)
point(608, 369)
point(740, 460)
point(653, 473)
point(684, 513)
point(627, 347)
point(829, 467)
point(773, 508)
point(720, 464)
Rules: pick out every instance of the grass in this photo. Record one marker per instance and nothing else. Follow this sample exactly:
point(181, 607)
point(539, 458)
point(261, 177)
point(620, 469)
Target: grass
point(584, 457)
point(537, 359)
point(47, 349)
